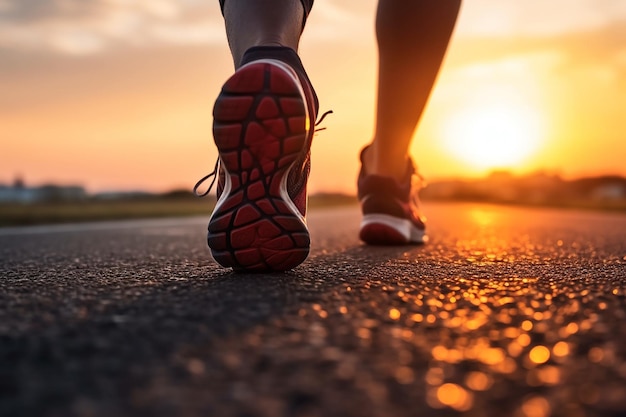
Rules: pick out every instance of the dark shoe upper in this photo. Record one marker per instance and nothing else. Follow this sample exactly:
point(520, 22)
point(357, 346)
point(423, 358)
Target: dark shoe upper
point(385, 195)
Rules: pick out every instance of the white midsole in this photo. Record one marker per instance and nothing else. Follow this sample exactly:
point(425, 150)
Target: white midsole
point(284, 193)
point(225, 192)
point(403, 226)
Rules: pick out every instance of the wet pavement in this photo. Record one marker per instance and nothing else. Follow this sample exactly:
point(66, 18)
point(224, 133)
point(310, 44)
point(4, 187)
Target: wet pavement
point(505, 312)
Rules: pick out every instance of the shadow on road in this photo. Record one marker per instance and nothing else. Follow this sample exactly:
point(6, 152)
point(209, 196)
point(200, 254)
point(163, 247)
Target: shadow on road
point(102, 342)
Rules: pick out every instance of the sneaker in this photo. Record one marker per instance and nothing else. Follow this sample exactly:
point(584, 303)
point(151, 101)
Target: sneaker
point(263, 129)
point(390, 209)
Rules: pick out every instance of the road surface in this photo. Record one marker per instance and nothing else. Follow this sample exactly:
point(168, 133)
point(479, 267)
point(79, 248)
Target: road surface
point(505, 312)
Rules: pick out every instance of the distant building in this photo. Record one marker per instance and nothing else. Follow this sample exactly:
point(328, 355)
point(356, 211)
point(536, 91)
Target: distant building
point(600, 188)
point(535, 188)
point(18, 192)
point(51, 192)
point(615, 191)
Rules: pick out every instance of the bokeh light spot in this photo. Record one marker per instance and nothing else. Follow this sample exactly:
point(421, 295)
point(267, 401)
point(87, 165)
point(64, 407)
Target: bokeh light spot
point(539, 354)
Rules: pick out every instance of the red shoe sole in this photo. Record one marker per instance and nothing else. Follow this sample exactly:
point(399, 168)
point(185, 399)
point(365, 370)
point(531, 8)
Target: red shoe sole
point(381, 235)
point(260, 129)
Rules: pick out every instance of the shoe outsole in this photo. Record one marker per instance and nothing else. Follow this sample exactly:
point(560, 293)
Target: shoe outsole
point(386, 230)
point(260, 129)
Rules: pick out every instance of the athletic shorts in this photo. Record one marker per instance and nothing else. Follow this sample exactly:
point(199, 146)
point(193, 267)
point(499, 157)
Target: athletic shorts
point(308, 4)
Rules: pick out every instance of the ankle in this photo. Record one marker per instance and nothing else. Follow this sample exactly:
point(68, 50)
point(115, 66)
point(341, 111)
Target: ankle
point(385, 164)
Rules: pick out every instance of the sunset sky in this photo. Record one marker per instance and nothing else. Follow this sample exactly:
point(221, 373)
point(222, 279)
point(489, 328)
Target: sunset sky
point(118, 94)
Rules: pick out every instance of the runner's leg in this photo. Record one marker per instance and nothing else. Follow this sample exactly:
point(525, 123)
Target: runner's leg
point(263, 23)
point(412, 40)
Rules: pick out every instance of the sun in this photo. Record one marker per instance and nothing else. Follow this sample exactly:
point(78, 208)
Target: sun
point(493, 136)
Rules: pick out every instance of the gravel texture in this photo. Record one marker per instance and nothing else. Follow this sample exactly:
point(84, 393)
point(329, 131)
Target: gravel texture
point(505, 312)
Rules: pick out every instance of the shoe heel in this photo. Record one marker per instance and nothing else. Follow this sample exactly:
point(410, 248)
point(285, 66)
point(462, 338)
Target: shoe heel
point(260, 128)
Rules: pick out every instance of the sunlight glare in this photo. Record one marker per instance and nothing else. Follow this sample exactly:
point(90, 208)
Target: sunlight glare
point(492, 136)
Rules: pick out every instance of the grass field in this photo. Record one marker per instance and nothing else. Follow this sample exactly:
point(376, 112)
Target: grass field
point(95, 210)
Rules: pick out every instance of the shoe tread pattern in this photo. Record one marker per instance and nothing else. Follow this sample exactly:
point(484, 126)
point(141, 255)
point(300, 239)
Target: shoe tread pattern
point(260, 131)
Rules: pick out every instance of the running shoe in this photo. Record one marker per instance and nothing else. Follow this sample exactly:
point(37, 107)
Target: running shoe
point(263, 127)
point(391, 214)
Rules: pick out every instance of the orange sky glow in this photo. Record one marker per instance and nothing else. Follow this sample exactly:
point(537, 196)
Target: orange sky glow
point(119, 96)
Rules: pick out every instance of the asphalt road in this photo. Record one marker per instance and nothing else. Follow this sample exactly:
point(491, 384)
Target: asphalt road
point(505, 312)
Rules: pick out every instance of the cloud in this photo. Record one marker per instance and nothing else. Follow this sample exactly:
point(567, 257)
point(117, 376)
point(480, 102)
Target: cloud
point(333, 21)
point(536, 17)
point(28, 11)
point(81, 27)
point(603, 45)
point(87, 27)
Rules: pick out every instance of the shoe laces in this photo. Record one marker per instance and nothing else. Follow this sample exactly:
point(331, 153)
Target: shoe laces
point(321, 118)
point(215, 173)
point(201, 181)
point(417, 180)
point(420, 179)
